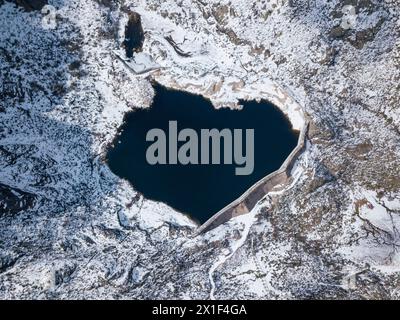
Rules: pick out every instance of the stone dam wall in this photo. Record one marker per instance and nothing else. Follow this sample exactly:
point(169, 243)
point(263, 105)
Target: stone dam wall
point(246, 202)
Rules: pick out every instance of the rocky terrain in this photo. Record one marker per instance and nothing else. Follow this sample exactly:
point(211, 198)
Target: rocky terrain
point(72, 229)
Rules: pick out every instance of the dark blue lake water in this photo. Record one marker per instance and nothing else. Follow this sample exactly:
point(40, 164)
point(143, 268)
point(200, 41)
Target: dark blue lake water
point(198, 190)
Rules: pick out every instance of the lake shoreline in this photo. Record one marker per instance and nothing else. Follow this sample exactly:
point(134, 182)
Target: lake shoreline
point(194, 113)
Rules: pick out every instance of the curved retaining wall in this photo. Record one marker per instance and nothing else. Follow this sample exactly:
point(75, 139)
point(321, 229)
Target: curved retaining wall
point(246, 202)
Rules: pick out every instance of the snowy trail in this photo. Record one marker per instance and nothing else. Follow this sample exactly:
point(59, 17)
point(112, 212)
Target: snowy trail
point(250, 218)
point(248, 221)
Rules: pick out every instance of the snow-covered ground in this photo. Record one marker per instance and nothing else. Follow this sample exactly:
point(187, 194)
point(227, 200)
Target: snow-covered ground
point(70, 228)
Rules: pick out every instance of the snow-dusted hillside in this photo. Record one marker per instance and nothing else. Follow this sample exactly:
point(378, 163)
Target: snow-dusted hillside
point(71, 229)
